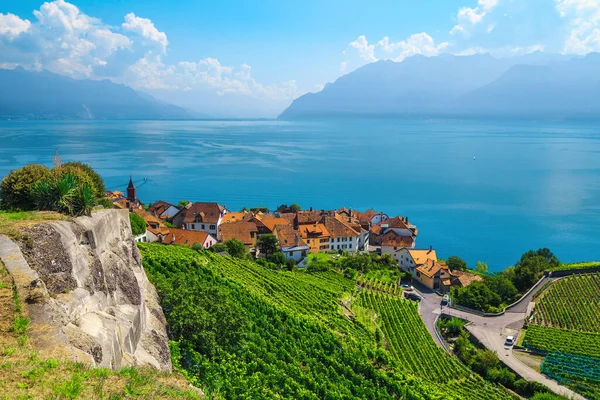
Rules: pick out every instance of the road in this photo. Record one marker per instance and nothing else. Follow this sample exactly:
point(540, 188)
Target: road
point(492, 333)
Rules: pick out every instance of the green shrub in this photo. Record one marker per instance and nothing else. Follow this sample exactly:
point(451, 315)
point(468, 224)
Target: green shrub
point(235, 248)
point(15, 188)
point(138, 225)
point(20, 324)
point(219, 247)
point(92, 176)
point(106, 203)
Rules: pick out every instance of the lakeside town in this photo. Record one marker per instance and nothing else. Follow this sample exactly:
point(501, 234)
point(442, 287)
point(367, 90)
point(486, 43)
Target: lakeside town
point(298, 232)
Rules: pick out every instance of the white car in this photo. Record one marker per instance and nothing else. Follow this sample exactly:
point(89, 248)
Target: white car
point(407, 288)
point(510, 340)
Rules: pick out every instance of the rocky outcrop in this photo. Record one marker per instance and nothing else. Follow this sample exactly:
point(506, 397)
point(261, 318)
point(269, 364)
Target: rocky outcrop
point(86, 293)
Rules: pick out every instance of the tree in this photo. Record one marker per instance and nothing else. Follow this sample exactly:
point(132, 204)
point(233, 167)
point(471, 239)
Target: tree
point(138, 225)
point(477, 296)
point(277, 258)
point(457, 264)
point(219, 247)
point(268, 244)
point(528, 271)
point(182, 203)
point(504, 287)
point(295, 208)
point(235, 248)
point(545, 253)
point(16, 187)
point(481, 267)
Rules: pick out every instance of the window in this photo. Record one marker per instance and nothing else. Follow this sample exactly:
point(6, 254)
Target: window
point(332, 247)
point(212, 227)
point(338, 242)
point(202, 226)
point(338, 246)
point(193, 226)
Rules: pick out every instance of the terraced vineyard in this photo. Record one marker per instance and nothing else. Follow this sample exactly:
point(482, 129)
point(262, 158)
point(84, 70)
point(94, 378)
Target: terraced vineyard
point(571, 303)
point(298, 336)
point(379, 285)
point(566, 325)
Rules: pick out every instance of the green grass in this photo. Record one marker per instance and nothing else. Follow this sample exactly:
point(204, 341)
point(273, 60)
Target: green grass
point(578, 265)
point(12, 223)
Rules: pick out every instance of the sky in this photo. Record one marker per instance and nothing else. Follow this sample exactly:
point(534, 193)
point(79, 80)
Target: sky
point(251, 58)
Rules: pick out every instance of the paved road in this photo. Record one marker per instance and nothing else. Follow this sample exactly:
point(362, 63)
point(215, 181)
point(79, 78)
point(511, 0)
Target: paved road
point(492, 333)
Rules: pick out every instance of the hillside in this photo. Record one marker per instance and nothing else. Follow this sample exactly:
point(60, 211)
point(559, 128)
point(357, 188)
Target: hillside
point(565, 326)
point(446, 85)
point(43, 95)
point(240, 330)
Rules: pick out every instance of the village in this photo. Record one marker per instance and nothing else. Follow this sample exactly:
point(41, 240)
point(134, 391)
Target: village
point(298, 232)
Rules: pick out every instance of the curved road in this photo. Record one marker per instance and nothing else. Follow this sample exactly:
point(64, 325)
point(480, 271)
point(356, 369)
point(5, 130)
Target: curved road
point(492, 332)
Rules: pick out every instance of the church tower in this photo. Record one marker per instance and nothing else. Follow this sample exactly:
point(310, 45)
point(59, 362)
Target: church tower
point(131, 192)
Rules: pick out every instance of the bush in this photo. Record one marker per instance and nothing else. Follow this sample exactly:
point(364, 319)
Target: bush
point(196, 246)
point(529, 388)
point(138, 225)
point(502, 376)
point(235, 248)
point(452, 326)
point(106, 203)
point(93, 176)
point(290, 264)
point(16, 187)
point(219, 248)
point(277, 258)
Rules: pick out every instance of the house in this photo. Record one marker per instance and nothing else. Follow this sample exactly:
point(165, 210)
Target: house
point(341, 236)
point(204, 217)
point(353, 222)
point(245, 232)
point(184, 237)
point(266, 223)
point(315, 236)
point(163, 210)
point(310, 217)
point(434, 274)
point(155, 229)
point(409, 259)
point(393, 243)
point(374, 217)
point(400, 225)
point(156, 234)
point(464, 279)
point(291, 243)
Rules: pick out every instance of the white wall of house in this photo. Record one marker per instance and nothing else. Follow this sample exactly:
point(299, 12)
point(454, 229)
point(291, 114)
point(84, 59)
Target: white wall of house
point(348, 243)
point(295, 253)
point(405, 260)
point(209, 242)
point(377, 218)
point(212, 229)
point(142, 238)
point(363, 240)
point(151, 237)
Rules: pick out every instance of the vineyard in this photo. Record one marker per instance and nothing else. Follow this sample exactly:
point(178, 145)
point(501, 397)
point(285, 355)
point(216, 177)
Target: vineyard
point(572, 369)
point(561, 340)
point(276, 334)
point(571, 303)
point(379, 285)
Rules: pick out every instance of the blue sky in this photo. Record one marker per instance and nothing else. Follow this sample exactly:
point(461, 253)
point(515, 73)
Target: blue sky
point(254, 57)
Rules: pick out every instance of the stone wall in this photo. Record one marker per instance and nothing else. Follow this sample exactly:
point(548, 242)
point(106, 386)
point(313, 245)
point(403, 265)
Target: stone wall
point(86, 293)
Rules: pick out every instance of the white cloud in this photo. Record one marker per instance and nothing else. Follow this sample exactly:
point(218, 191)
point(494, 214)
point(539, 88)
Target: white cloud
point(365, 49)
point(583, 17)
point(149, 72)
point(12, 26)
point(67, 41)
point(145, 28)
point(418, 43)
point(468, 16)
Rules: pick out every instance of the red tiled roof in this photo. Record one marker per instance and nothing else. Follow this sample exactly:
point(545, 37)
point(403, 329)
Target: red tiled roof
point(308, 217)
point(159, 207)
point(466, 278)
point(288, 237)
point(241, 231)
point(208, 213)
point(313, 231)
point(432, 267)
point(338, 228)
point(185, 237)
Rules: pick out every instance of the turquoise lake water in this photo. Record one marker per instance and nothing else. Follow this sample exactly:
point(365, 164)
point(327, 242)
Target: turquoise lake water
point(532, 184)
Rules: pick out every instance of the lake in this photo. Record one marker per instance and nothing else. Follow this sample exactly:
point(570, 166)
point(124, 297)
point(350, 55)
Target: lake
point(482, 190)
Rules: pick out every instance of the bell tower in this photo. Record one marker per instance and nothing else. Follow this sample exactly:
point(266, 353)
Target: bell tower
point(131, 191)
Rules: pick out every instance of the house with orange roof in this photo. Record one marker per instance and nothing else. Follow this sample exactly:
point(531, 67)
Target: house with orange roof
point(349, 219)
point(341, 235)
point(243, 231)
point(434, 274)
point(185, 237)
point(393, 243)
point(315, 236)
point(234, 217)
point(409, 259)
point(267, 223)
point(291, 243)
point(464, 279)
point(374, 217)
point(163, 210)
point(307, 217)
point(201, 216)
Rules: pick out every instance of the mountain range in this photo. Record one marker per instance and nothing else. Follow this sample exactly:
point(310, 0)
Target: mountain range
point(44, 95)
point(537, 84)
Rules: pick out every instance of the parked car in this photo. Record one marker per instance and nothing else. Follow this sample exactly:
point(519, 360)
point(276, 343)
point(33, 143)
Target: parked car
point(413, 296)
point(510, 340)
point(445, 299)
point(406, 287)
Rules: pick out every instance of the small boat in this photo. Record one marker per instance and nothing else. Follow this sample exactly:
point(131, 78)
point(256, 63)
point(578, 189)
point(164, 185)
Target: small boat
point(473, 158)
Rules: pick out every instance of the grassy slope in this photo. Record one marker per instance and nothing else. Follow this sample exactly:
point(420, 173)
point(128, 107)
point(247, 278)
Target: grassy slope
point(23, 375)
point(334, 304)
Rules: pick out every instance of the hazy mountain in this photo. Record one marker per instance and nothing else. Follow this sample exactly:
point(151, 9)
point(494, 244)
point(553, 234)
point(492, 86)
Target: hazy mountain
point(29, 94)
point(453, 85)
